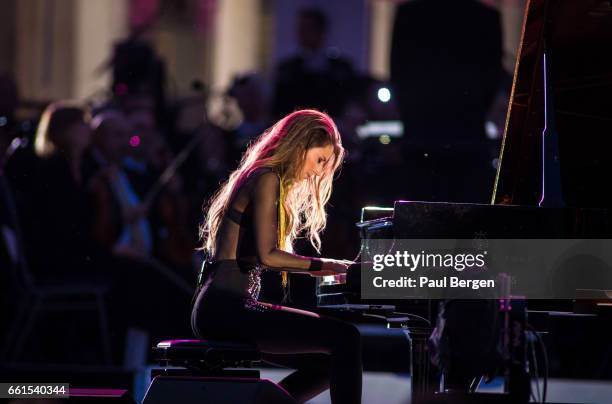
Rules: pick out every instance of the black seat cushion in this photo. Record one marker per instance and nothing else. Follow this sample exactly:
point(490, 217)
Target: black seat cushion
point(216, 353)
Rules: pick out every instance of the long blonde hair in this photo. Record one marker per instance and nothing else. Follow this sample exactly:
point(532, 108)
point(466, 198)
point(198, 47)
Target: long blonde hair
point(283, 148)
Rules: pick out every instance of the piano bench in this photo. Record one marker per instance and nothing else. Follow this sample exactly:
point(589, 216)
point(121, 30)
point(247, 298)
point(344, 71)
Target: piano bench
point(205, 355)
point(194, 371)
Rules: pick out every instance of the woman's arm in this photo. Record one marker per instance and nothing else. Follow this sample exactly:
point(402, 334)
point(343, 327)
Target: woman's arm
point(265, 198)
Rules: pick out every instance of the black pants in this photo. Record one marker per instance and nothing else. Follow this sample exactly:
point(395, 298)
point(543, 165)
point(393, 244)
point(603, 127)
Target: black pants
point(325, 352)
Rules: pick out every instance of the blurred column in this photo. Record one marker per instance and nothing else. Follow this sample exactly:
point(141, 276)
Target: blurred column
point(237, 40)
point(183, 39)
point(98, 24)
point(512, 12)
point(44, 48)
point(61, 44)
point(382, 13)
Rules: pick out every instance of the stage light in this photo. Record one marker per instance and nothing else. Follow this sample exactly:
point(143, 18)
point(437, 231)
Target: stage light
point(380, 128)
point(495, 163)
point(492, 130)
point(135, 141)
point(384, 94)
point(385, 139)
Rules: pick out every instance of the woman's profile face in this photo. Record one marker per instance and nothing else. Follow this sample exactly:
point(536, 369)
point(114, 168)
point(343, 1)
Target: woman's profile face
point(315, 161)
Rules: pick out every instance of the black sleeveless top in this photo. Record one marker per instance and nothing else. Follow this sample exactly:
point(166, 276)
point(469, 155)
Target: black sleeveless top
point(249, 230)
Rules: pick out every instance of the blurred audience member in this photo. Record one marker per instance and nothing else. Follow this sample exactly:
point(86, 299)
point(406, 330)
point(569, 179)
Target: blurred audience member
point(63, 135)
point(137, 70)
point(144, 128)
point(174, 242)
point(124, 226)
point(111, 138)
point(58, 204)
point(138, 163)
point(136, 216)
point(252, 98)
point(316, 77)
point(120, 223)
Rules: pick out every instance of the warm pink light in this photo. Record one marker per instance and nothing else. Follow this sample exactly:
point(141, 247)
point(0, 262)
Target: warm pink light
point(135, 141)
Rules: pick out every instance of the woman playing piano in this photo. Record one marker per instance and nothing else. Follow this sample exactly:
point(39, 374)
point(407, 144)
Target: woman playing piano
point(278, 191)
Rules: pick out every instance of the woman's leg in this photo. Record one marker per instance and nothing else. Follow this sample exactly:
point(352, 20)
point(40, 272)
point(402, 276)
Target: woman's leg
point(311, 377)
point(283, 330)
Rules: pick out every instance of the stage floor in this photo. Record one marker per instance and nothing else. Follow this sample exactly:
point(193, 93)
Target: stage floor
point(395, 389)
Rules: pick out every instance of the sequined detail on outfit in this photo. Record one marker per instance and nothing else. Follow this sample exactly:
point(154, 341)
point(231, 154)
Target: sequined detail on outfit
point(254, 286)
point(254, 282)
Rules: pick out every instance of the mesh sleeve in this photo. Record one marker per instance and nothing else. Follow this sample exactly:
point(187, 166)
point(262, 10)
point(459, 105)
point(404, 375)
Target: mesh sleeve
point(265, 199)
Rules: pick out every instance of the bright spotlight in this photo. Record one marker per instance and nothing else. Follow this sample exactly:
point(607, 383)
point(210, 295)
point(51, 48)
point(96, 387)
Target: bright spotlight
point(384, 139)
point(384, 94)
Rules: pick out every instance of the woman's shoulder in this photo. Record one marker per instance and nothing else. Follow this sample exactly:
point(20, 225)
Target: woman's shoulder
point(264, 178)
point(263, 174)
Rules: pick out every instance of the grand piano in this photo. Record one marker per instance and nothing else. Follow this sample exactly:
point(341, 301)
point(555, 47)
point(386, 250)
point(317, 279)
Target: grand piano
point(553, 176)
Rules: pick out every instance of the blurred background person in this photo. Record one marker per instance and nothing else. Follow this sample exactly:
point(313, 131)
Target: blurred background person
point(316, 77)
point(120, 224)
point(139, 76)
point(59, 210)
point(252, 98)
point(122, 229)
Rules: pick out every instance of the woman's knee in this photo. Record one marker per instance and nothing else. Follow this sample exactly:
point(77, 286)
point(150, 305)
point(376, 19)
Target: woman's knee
point(346, 336)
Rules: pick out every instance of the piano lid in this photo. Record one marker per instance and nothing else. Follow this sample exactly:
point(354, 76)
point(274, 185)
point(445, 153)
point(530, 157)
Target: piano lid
point(579, 64)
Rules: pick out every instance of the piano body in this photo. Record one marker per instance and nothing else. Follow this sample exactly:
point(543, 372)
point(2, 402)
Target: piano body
point(555, 162)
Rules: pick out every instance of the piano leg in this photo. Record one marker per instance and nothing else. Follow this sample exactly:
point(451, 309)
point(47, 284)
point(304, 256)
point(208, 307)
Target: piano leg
point(424, 377)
